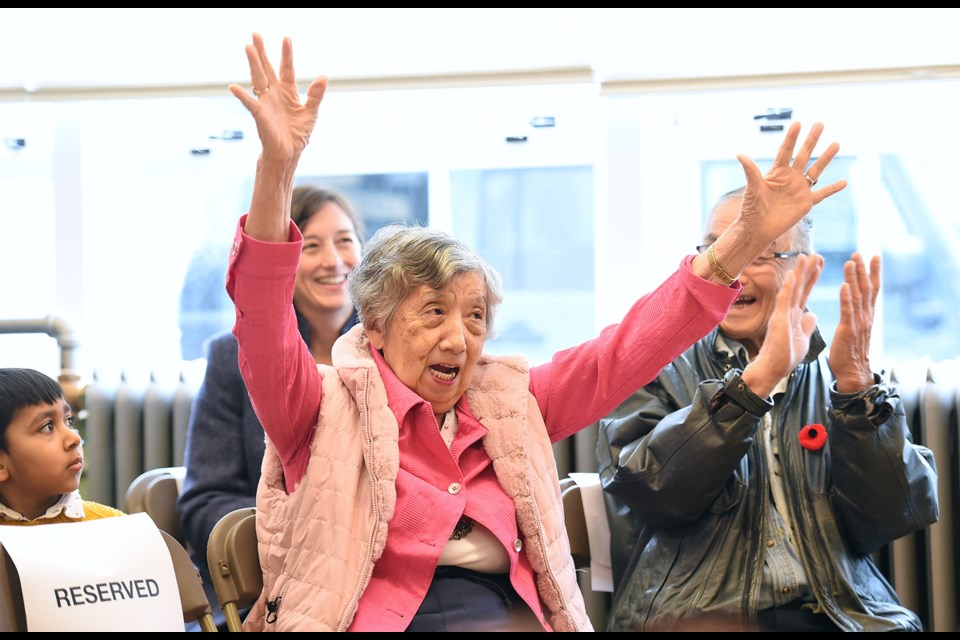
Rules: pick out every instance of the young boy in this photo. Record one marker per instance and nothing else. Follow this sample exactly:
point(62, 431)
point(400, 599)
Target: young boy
point(41, 454)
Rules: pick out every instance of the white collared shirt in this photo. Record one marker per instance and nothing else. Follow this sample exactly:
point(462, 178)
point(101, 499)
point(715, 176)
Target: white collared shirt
point(70, 504)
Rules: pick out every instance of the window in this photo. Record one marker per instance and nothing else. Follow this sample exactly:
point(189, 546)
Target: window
point(896, 142)
point(535, 226)
point(133, 204)
point(205, 307)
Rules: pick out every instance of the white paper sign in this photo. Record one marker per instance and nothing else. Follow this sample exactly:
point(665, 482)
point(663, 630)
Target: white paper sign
point(112, 574)
point(598, 530)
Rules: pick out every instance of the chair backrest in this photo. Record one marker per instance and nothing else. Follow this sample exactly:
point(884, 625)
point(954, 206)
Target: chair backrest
point(155, 492)
point(234, 564)
point(13, 617)
point(576, 523)
point(196, 607)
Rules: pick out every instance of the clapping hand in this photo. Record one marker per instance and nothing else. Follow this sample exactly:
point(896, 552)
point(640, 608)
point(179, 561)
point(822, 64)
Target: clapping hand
point(850, 348)
point(788, 330)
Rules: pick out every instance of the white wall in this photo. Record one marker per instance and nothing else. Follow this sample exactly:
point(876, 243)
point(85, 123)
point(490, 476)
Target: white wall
point(69, 48)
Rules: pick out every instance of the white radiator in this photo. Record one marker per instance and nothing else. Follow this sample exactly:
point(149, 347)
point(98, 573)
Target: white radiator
point(924, 566)
point(130, 427)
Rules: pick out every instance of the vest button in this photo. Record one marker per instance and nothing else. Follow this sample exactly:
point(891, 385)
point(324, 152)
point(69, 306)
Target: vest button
point(454, 488)
point(518, 545)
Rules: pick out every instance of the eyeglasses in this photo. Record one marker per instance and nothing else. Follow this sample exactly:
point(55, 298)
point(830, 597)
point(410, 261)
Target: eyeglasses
point(766, 258)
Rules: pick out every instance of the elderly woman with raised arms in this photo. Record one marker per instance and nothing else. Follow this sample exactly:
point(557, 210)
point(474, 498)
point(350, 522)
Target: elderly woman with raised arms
point(411, 486)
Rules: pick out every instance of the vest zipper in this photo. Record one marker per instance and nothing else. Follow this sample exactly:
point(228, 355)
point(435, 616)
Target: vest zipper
point(273, 606)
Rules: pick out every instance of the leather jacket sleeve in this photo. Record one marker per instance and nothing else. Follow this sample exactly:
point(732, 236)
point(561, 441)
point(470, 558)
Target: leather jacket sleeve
point(883, 485)
point(681, 447)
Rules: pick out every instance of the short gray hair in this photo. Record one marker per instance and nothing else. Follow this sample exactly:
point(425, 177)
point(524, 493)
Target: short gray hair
point(400, 258)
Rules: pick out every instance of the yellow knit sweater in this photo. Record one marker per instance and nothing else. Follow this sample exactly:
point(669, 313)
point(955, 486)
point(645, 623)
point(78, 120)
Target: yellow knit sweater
point(91, 510)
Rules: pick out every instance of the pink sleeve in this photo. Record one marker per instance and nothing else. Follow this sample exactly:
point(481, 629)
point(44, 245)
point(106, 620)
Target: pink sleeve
point(582, 384)
point(277, 367)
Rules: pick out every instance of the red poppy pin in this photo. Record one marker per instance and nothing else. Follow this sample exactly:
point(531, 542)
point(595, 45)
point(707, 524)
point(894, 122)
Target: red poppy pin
point(813, 437)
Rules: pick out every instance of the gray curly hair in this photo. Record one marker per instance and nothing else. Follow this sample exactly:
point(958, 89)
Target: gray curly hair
point(399, 258)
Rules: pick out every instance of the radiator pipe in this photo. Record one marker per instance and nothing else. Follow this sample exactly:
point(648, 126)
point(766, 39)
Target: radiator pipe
point(58, 329)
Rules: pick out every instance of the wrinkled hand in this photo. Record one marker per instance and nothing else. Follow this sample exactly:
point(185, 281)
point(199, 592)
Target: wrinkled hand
point(850, 348)
point(788, 330)
point(283, 123)
point(774, 202)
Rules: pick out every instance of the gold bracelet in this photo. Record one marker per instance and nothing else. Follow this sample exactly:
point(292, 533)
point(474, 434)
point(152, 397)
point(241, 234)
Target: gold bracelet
point(717, 269)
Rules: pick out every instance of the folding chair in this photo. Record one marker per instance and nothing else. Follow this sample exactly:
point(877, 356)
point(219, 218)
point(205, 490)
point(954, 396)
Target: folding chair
point(234, 564)
point(13, 617)
point(196, 607)
point(576, 523)
point(155, 492)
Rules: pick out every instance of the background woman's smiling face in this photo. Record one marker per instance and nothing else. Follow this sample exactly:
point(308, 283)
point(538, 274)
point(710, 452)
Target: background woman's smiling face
point(436, 337)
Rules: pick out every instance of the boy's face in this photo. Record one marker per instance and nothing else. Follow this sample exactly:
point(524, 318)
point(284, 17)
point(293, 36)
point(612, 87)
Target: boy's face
point(44, 458)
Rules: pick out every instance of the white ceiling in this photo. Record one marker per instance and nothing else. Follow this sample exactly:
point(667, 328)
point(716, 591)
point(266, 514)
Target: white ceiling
point(114, 48)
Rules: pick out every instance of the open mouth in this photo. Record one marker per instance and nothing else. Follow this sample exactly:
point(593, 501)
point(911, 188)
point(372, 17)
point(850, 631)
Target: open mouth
point(331, 280)
point(744, 301)
point(444, 373)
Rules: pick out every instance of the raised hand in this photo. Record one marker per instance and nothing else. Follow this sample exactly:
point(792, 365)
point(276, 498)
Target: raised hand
point(788, 329)
point(772, 203)
point(850, 347)
point(284, 125)
point(775, 201)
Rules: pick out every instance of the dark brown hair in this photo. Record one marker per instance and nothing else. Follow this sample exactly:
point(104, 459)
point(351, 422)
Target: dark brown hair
point(308, 200)
point(21, 388)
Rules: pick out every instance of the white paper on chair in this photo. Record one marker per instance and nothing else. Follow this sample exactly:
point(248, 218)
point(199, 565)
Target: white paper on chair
point(112, 574)
point(598, 530)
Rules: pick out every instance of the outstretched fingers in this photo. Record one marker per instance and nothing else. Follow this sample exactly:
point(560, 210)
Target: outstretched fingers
point(864, 284)
point(812, 268)
point(243, 95)
point(875, 276)
point(856, 276)
point(286, 62)
point(806, 149)
point(785, 152)
point(315, 93)
point(826, 191)
point(262, 74)
point(818, 167)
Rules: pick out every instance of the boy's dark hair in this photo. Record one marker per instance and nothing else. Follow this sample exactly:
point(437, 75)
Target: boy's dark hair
point(21, 388)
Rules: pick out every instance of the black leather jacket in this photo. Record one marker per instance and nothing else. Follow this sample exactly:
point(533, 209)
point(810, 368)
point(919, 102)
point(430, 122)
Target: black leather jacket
point(686, 491)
